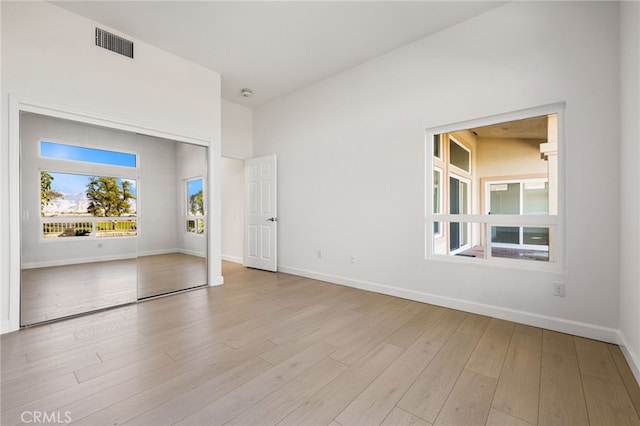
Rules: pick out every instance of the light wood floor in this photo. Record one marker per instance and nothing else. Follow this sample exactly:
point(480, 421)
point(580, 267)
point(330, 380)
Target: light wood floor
point(165, 273)
point(61, 291)
point(268, 349)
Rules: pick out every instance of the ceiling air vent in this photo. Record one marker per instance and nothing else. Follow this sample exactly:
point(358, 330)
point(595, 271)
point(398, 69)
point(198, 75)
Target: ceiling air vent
point(114, 43)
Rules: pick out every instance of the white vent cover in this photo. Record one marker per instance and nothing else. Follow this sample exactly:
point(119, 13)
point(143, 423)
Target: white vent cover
point(114, 43)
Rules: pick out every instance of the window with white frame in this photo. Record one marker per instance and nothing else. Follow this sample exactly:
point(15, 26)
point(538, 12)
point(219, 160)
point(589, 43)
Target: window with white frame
point(459, 155)
point(520, 197)
point(437, 147)
point(195, 223)
point(495, 186)
point(81, 204)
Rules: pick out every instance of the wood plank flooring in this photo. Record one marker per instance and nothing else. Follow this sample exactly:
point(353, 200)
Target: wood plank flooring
point(60, 291)
point(276, 349)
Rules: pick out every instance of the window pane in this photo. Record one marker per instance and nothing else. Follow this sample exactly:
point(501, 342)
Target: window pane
point(87, 155)
point(505, 198)
point(66, 229)
point(437, 191)
point(519, 253)
point(536, 236)
point(116, 228)
point(505, 234)
point(517, 160)
point(191, 225)
point(459, 241)
point(458, 235)
point(536, 198)
point(454, 236)
point(464, 234)
point(459, 157)
point(67, 194)
point(464, 197)
point(195, 200)
point(474, 252)
point(437, 199)
point(458, 196)
point(104, 206)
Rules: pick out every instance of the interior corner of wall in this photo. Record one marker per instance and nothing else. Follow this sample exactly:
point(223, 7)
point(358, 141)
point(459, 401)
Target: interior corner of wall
point(633, 359)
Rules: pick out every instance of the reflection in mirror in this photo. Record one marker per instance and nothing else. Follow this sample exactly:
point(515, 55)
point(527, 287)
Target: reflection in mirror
point(173, 245)
point(79, 218)
point(106, 217)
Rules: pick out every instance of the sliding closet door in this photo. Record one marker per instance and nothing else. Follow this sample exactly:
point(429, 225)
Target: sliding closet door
point(108, 217)
point(79, 224)
point(172, 245)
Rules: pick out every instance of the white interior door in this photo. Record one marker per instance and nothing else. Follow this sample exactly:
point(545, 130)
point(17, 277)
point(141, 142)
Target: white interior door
point(261, 218)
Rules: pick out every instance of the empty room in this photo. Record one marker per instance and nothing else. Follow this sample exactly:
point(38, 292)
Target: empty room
point(320, 213)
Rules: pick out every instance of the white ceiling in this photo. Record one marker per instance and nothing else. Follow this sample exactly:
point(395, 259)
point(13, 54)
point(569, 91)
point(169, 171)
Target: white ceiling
point(277, 47)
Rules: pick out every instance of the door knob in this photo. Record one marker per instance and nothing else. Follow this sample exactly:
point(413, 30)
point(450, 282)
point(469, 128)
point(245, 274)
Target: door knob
point(272, 219)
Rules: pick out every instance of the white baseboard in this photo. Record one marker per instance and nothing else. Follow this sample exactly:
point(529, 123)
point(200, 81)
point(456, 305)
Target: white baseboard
point(632, 358)
point(234, 259)
point(6, 327)
point(219, 280)
point(192, 253)
point(63, 262)
point(562, 325)
point(156, 252)
point(77, 261)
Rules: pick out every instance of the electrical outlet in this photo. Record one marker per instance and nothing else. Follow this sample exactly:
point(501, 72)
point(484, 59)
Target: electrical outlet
point(353, 258)
point(320, 254)
point(558, 289)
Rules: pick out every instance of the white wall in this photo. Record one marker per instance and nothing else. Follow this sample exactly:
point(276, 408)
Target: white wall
point(48, 55)
point(232, 209)
point(351, 161)
point(237, 145)
point(630, 182)
point(237, 130)
point(508, 157)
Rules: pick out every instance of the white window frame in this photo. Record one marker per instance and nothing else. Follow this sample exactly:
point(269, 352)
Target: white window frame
point(555, 223)
point(467, 246)
point(438, 170)
point(521, 182)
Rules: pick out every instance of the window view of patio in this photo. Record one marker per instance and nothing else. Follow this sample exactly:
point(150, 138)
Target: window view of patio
point(495, 191)
point(75, 205)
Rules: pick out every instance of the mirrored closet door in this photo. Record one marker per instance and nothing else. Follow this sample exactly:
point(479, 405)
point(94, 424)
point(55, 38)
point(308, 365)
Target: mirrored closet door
point(108, 217)
point(172, 249)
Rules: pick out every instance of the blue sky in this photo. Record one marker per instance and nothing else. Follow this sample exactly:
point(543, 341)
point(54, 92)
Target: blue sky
point(88, 155)
point(194, 186)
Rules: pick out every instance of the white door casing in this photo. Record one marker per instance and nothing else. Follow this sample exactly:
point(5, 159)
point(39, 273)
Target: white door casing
point(261, 213)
